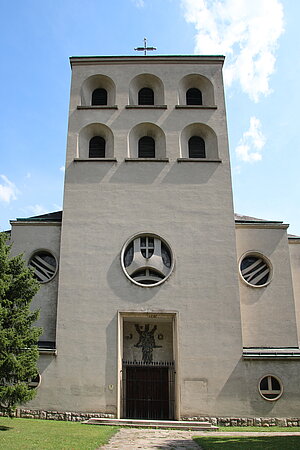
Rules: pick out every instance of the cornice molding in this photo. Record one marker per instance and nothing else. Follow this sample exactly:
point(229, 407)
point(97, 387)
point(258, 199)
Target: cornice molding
point(167, 59)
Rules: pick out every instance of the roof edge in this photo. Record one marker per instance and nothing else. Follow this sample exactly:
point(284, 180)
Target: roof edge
point(211, 59)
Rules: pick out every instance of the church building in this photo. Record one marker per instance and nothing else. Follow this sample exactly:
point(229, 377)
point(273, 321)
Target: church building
point(156, 300)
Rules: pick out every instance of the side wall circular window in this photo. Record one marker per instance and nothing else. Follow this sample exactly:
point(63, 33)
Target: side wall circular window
point(270, 387)
point(35, 382)
point(44, 265)
point(147, 260)
point(255, 269)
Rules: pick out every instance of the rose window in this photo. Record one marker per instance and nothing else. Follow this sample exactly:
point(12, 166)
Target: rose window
point(147, 260)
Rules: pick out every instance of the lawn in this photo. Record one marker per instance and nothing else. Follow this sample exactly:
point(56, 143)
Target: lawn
point(22, 434)
point(249, 443)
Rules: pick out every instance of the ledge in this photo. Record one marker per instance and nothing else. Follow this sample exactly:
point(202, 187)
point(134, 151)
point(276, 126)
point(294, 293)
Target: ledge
point(98, 107)
point(146, 107)
point(195, 107)
point(41, 222)
point(148, 59)
point(146, 160)
point(199, 160)
point(47, 351)
point(293, 239)
point(271, 353)
point(95, 159)
point(261, 225)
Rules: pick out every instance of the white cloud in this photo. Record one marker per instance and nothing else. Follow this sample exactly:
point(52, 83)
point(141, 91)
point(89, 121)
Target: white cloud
point(252, 142)
point(8, 190)
point(139, 3)
point(28, 175)
point(37, 210)
point(246, 31)
point(62, 169)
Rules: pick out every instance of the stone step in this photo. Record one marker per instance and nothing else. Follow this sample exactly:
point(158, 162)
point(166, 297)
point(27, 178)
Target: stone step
point(135, 423)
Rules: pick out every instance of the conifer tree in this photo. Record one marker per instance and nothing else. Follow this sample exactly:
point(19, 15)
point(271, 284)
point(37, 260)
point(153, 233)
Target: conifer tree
point(18, 336)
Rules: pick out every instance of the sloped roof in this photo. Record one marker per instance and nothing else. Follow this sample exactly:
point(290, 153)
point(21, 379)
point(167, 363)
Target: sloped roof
point(56, 216)
point(241, 218)
point(49, 217)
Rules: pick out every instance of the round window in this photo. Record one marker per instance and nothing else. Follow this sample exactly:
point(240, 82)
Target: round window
point(147, 260)
point(270, 387)
point(34, 382)
point(255, 269)
point(44, 265)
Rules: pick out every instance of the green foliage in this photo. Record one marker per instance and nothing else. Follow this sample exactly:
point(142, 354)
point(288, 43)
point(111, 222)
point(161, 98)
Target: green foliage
point(18, 336)
point(29, 434)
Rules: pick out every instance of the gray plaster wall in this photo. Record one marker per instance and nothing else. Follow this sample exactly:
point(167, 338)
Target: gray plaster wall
point(27, 238)
point(187, 204)
point(268, 313)
point(294, 248)
point(241, 388)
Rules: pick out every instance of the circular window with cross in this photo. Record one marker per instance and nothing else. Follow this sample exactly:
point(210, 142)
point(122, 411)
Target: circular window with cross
point(270, 387)
point(147, 260)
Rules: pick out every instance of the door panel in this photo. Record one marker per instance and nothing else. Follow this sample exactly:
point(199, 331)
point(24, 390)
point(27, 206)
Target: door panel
point(147, 393)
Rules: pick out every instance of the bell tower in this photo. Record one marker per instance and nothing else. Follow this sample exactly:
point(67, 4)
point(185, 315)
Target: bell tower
point(148, 259)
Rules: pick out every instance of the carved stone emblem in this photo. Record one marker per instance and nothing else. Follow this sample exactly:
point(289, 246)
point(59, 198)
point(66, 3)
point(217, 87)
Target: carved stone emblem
point(146, 342)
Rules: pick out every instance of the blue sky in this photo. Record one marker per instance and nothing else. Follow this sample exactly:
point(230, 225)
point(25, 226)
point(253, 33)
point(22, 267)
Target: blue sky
point(259, 38)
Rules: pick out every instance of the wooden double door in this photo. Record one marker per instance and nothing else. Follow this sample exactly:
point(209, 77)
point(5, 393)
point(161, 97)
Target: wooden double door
point(148, 392)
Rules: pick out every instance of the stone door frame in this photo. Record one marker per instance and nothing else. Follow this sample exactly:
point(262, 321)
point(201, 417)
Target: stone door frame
point(142, 315)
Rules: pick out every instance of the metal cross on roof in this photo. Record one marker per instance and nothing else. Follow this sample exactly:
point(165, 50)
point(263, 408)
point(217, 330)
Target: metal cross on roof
point(145, 48)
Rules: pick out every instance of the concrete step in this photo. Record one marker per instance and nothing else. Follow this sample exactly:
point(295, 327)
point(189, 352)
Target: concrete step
point(134, 423)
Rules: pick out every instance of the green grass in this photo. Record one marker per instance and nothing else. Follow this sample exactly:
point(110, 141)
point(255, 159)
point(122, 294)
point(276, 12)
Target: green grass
point(22, 434)
point(249, 443)
point(260, 429)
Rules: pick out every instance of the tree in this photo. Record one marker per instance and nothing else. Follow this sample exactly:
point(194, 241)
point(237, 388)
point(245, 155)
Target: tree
point(18, 336)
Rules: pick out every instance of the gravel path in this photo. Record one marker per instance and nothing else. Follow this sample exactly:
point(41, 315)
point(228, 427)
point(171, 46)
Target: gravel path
point(137, 438)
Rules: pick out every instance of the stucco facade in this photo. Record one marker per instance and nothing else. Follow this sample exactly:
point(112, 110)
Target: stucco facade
point(210, 334)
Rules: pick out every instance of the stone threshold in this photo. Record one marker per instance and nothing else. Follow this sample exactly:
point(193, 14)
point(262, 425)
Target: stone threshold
point(140, 423)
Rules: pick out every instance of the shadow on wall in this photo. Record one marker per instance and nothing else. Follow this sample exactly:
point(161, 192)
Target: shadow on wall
point(93, 172)
point(255, 295)
point(125, 289)
point(137, 172)
point(242, 384)
point(88, 172)
point(111, 373)
point(199, 173)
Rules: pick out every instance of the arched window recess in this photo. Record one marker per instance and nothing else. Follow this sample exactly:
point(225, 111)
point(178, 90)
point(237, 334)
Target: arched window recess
point(196, 147)
point(193, 96)
point(97, 147)
point(146, 147)
point(146, 96)
point(99, 97)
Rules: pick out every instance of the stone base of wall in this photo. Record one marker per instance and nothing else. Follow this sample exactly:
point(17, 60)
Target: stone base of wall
point(56, 415)
point(248, 421)
point(218, 421)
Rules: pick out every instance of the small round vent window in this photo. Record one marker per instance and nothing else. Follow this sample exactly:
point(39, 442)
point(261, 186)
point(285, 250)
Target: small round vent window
point(255, 269)
point(35, 382)
point(44, 265)
point(270, 388)
point(147, 260)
